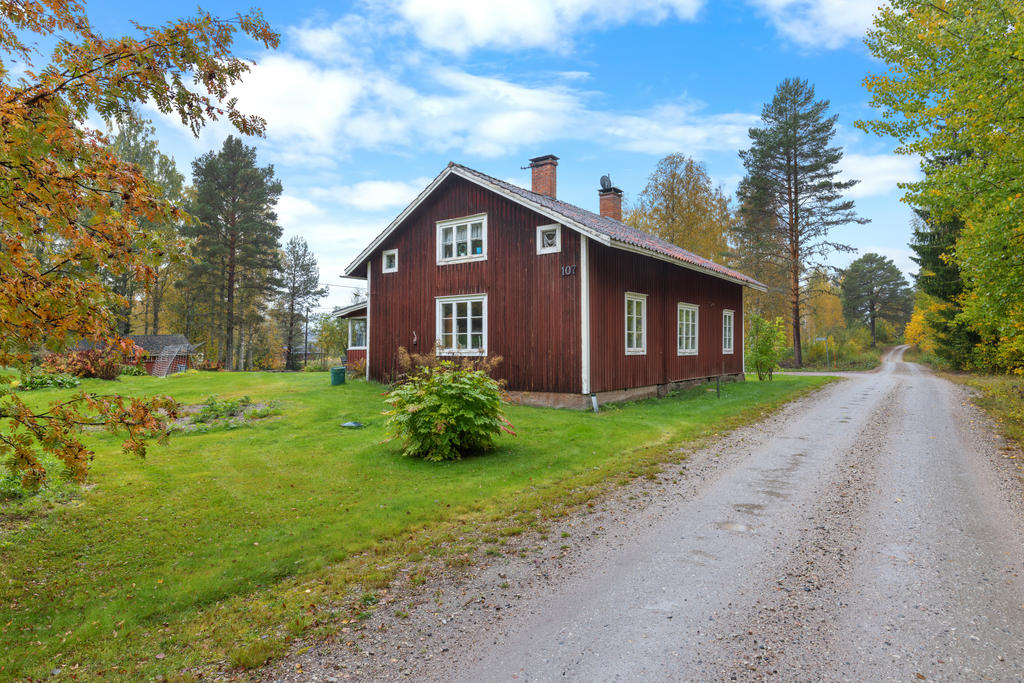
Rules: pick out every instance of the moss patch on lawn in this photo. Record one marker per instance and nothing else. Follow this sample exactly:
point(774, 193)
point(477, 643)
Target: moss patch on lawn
point(221, 547)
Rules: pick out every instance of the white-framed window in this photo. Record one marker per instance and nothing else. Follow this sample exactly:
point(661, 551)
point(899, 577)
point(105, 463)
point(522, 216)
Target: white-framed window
point(727, 331)
point(549, 239)
point(389, 261)
point(636, 324)
point(686, 330)
point(357, 333)
point(462, 325)
point(462, 239)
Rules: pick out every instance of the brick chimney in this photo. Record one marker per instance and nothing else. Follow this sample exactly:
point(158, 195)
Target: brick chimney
point(544, 174)
point(611, 202)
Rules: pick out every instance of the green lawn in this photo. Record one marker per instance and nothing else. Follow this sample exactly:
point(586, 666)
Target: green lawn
point(220, 546)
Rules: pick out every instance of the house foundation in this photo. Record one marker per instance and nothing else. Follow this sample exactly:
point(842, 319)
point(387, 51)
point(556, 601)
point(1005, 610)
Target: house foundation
point(547, 399)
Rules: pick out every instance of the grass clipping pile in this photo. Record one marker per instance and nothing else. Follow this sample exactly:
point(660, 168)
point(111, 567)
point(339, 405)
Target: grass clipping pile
point(444, 410)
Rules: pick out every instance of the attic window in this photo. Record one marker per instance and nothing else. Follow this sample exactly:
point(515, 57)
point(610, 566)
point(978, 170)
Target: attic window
point(549, 239)
point(462, 239)
point(389, 261)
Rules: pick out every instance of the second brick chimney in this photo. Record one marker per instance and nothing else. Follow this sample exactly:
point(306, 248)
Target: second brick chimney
point(544, 174)
point(611, 202)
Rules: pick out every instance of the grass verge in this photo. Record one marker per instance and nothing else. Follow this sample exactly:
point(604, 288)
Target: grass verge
point(1002, 397)
point(222, 547)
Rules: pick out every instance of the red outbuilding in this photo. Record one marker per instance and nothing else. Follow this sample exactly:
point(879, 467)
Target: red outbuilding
point(576, 303)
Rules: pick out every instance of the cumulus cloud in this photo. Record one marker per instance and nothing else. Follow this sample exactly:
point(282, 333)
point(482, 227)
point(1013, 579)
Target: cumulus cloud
point(373, 195)
point(878, 173)
point(459, 26)
point(819, 23)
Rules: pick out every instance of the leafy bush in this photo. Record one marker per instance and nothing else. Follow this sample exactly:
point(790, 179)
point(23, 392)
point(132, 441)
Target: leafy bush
point(133, 371)
point(445, 412)
point(38, 379)
point(766, 341)
point(98, 363)
point(216, 409)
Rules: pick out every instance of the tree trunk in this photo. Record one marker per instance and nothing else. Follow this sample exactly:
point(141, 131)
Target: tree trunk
point(229, 326)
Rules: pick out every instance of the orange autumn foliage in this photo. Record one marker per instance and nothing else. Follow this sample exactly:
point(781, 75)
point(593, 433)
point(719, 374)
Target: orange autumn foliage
point(70, 209)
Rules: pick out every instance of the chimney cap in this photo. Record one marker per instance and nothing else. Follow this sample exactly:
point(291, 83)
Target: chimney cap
point(544, 159)
point(610, 190)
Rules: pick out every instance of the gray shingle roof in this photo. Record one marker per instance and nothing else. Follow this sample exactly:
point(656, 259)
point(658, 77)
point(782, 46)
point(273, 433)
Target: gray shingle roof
point(616, 230)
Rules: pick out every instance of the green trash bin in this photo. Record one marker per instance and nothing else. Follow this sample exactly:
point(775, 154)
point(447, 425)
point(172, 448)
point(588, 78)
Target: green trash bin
point(337, 376)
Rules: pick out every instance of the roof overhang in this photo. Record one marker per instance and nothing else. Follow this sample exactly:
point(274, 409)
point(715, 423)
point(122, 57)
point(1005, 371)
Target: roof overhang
point(626, 246)
point(497, 189)
point(349, 310)
point(453, 169)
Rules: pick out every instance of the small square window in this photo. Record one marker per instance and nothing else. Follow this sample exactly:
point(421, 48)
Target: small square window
point(389, 263)
point(549, 239)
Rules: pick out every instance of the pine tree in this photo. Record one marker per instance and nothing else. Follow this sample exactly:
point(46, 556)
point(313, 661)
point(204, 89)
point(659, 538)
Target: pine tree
point(873, 288)
point(790, 198)
point(237, 237)
point(301, 290)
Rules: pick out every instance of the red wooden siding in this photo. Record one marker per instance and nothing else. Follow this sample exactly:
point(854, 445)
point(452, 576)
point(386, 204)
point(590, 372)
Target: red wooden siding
point(614, 272)
point(353, 356)
point(533, 311)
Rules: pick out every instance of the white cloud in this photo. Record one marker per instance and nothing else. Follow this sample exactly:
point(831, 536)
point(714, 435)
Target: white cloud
point(675, 128)
point(373, 195)
point(878, 173)
point(820, 23)
point(459, 26)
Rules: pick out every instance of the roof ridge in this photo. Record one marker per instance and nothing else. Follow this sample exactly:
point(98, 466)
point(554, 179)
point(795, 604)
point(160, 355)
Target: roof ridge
point(609, 226)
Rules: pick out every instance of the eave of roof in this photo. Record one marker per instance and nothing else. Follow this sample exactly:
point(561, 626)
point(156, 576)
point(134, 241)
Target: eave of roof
point(603, 229)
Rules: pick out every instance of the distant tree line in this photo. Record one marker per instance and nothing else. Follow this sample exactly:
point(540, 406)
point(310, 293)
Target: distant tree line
point(224, 279)
point(778, 229)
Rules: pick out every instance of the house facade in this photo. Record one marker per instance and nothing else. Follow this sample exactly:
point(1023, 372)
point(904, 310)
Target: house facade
point(576, 303)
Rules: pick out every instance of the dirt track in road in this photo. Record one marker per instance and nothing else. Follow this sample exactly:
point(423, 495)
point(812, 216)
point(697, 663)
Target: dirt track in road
point(869, 532)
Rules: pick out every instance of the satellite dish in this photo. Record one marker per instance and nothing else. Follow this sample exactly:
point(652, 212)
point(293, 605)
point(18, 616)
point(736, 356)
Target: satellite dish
point(606, 182)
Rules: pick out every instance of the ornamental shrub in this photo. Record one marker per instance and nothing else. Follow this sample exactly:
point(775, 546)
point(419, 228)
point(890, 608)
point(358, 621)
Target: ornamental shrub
point(444, 412)
point(766, 341)
point(99, 363)
point(37, 379)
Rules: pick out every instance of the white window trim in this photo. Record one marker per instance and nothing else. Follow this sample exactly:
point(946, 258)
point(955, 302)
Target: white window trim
point(558, 238)
point(384, 261)
point(437, 324)
point(728, 350)
point(696, 333)
point(451, 223)
point(365, 334)
point(642, 298)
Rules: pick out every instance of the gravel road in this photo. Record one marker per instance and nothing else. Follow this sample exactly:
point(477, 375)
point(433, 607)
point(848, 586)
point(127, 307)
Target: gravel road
point(870, 532)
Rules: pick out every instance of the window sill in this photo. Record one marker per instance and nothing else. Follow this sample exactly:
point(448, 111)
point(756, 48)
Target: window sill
point(726, 353)
point(462, 259)
point(686, 353)
point(636, 352)
point(356, 348)
point(454, 352)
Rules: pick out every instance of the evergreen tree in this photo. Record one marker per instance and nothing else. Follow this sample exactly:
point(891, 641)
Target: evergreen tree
point(938, 276)
point(873, 289)
point(237, 239)
point(680, 204)
point(301, 291)
point(790, 198)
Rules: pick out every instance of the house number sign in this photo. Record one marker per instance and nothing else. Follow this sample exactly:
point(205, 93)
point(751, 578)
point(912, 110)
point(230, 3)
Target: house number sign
point(568, 270)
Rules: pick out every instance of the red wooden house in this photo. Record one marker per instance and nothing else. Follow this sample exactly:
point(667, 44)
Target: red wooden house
point(576, 303)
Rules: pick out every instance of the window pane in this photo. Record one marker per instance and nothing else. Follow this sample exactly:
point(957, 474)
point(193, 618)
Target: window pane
point(478, 325)
point(477, 231)
point(463, 341)
point(478, 341)
point(477, 308)
point(460, 309)
point(478, 246)
point(447, 251)
point(460, 235)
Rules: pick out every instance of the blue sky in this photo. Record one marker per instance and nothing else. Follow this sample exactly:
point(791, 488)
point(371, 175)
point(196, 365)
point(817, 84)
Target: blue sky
point(366, 102)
